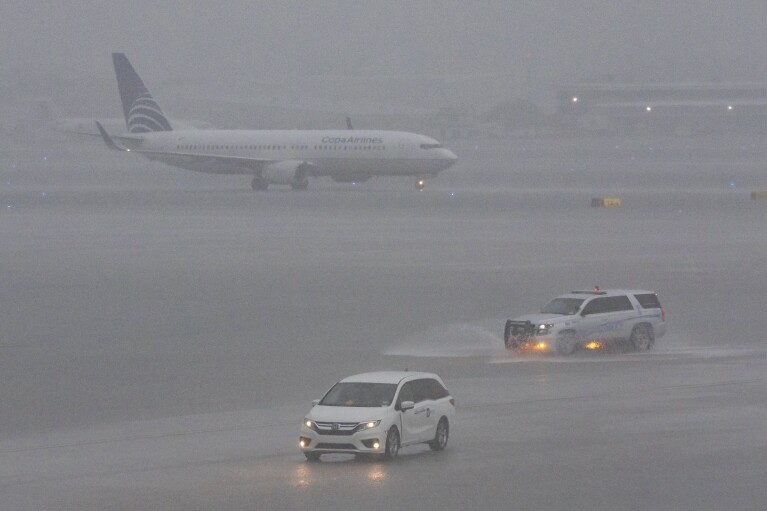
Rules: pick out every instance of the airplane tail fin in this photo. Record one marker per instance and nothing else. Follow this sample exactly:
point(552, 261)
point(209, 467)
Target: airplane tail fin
point(142, 113)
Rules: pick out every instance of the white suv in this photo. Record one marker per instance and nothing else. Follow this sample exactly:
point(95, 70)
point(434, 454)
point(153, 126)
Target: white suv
point(598, 319)
point(377, 413)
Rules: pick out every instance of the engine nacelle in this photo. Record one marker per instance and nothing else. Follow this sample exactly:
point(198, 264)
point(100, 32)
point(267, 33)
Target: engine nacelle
point(287, 172)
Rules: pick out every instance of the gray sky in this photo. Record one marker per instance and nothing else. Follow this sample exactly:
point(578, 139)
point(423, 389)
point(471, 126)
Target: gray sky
point(524, 44)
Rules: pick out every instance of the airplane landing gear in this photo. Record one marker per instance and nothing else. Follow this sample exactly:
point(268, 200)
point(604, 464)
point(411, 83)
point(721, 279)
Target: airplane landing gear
point(420, 183)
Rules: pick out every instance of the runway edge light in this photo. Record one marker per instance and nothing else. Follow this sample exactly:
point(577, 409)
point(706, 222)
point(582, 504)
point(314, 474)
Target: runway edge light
point(606, 202)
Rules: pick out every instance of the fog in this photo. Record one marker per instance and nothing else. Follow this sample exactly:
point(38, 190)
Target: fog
point(163, 332)
point(421, 54)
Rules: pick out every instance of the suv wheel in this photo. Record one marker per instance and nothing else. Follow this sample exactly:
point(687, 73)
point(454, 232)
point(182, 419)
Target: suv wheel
point(392, 444)
point(566, 343)
point(441, 436)
point(642, 337)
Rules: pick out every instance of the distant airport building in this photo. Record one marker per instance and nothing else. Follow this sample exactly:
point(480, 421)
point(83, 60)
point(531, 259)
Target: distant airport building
point(674, 108)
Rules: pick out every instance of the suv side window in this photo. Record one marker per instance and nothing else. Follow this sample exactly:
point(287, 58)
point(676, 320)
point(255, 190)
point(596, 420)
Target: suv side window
point(608, 304)
point(595, 306)
point(619, 303)
point(648, 301)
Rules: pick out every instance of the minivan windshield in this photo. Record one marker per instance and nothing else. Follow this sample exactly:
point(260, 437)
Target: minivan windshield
point(360, 394)
point(567, 306)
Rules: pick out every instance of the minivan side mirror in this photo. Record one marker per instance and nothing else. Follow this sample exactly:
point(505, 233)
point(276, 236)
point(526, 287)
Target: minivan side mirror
point(315, 402)
point(407, 405)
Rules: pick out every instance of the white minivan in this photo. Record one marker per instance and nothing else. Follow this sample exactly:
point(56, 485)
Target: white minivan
point(377, 413)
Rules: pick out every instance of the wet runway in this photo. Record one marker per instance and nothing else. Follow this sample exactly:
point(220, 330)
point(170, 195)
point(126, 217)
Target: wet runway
point(163, 333)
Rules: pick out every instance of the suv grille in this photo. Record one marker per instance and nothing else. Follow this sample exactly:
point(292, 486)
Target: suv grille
point(336, 428)
point(518, 330)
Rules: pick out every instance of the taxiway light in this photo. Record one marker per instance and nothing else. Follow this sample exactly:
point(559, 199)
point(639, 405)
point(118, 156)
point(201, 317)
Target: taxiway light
point(648, 108)
point(575, 99)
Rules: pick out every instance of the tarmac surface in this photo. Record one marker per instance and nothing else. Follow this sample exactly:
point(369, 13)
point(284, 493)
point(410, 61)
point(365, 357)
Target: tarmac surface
point(162, 333)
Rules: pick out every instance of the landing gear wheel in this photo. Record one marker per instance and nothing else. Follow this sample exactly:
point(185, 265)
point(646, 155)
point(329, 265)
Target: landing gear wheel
point(420, 184)
point(566, 343)
point(312, 456)
point(392, 444)
point(441, 436)
point(642, 337)
point(259, 184)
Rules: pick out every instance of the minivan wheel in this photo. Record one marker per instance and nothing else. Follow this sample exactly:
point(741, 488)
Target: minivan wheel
point(441, 435)
point(392, 444)
point(566, 343)
point(642, 337)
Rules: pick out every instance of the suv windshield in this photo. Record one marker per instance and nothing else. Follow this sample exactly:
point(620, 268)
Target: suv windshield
point(360, 394)
point(568, 306)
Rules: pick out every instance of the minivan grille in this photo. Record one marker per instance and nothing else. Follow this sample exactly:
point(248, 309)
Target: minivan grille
point(336, 428)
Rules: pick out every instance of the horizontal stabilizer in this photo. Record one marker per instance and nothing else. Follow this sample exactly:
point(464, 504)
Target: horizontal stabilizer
point(108, 140)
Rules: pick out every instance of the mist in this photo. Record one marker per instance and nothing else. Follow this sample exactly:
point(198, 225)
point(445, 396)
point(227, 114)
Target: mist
point(163, 332)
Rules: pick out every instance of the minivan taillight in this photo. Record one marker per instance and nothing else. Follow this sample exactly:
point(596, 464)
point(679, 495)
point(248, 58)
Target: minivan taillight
point(662, 314)
point(452, 401)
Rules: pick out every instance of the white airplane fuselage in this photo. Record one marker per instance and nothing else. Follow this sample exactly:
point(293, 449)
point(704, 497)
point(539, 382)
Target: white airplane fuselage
point(336, 153)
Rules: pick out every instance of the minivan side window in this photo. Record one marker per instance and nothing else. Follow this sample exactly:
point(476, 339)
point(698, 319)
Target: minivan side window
point(407, 393)
point(436, 390)
point(429, 388)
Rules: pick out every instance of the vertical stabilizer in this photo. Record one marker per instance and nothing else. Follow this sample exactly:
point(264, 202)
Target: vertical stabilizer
point(142, 113)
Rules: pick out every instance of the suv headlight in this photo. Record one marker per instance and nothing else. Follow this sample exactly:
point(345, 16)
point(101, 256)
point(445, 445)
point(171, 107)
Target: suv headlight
point(543, 328)
point(362, 426)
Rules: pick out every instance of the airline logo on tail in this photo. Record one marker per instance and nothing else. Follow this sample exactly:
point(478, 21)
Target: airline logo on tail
point(142, 113)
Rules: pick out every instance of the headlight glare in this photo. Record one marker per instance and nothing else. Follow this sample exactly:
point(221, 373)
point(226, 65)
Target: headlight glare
point(362, 426)
point(544, 328)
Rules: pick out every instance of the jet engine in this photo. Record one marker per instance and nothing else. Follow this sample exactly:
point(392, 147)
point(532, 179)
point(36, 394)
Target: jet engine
point(287, 172)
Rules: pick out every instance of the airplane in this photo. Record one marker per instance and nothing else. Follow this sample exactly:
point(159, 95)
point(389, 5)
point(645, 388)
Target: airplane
point(272, 157)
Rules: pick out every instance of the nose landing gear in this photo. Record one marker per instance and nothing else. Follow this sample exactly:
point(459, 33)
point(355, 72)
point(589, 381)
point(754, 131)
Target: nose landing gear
point(420, 184)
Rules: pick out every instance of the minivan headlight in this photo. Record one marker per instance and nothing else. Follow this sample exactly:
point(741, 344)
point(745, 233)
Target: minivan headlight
point(362, 426)
point(310, 424)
